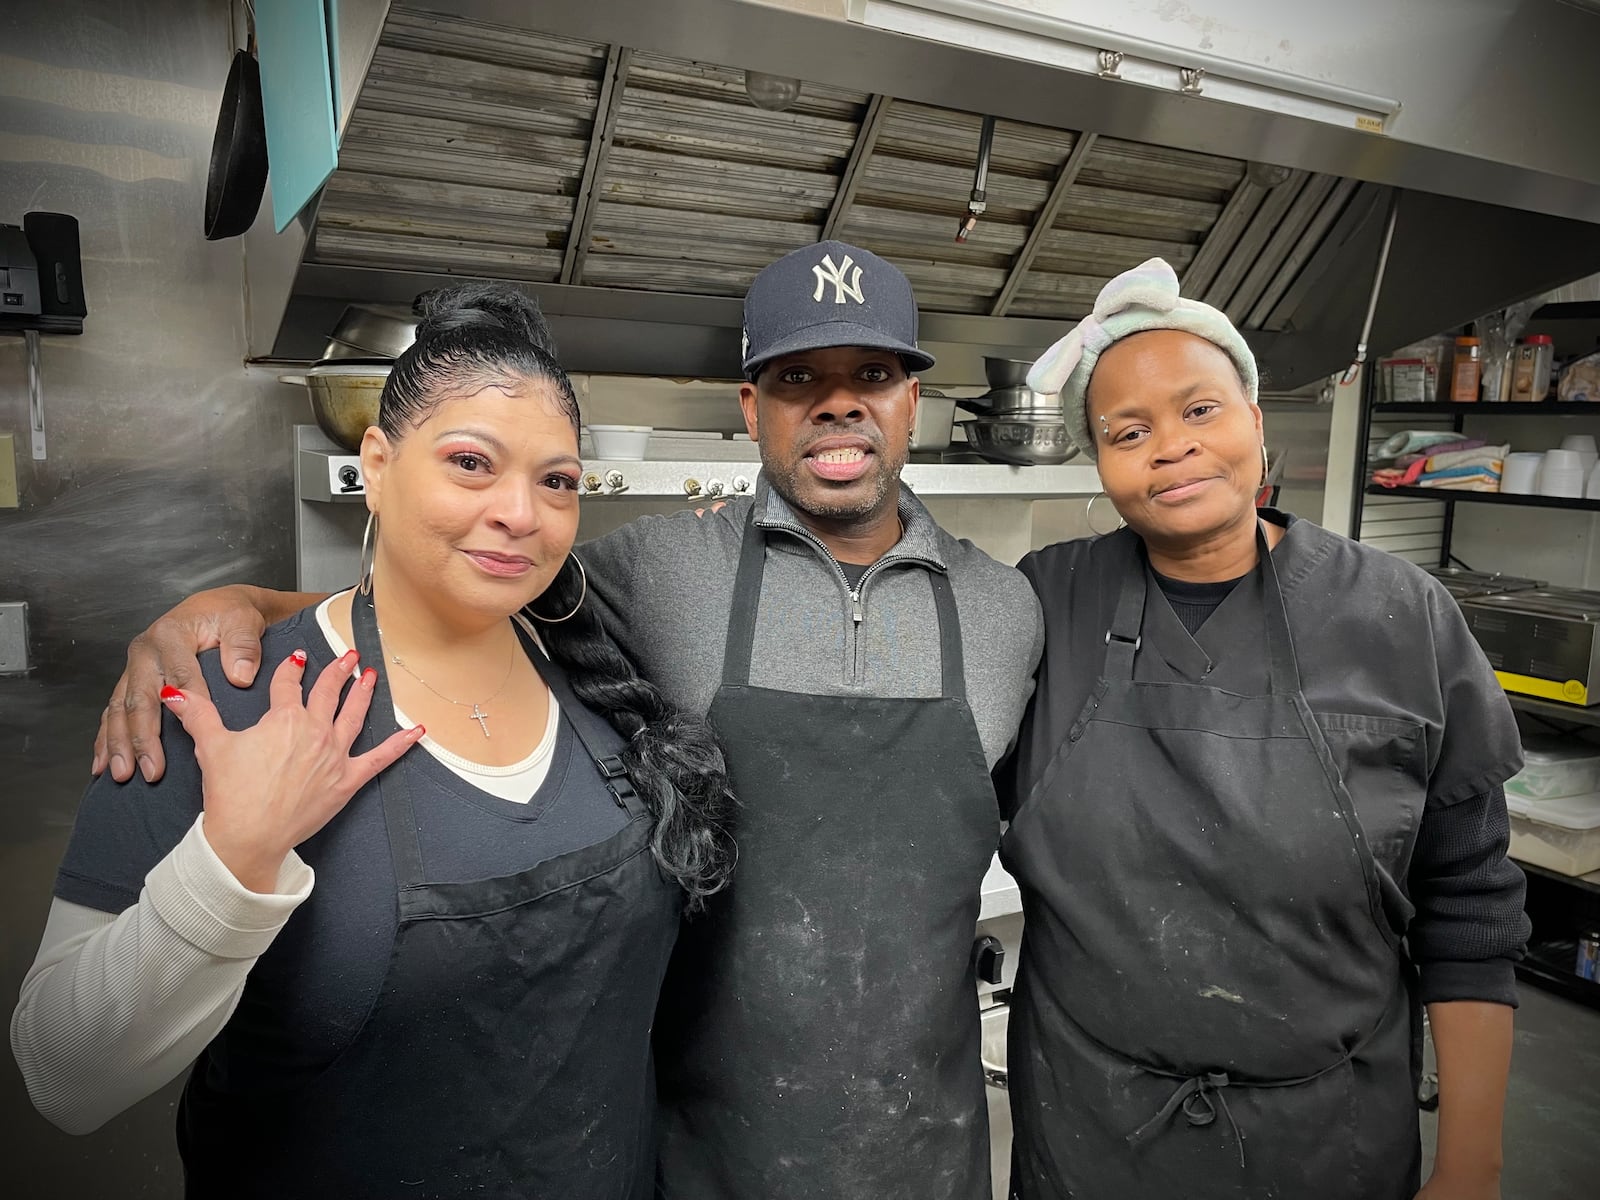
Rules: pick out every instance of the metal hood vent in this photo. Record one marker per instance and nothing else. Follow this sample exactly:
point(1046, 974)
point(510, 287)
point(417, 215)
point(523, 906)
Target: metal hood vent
point(476, 149)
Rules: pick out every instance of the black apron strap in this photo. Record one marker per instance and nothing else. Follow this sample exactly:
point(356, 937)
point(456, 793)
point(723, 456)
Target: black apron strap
point(1282, 664)
point(952, 661)
point(399, 816)
point(1123, 638)
point(746, 600)
point(590, 727)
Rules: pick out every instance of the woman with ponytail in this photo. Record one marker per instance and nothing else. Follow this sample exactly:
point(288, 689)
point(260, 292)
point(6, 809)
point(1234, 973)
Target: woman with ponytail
point(406, 902)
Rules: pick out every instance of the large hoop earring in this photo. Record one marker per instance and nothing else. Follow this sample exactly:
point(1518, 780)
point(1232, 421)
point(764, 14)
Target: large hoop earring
point(1089, 511)
point(583, 575)
point(1265, 469)
point(368, 537)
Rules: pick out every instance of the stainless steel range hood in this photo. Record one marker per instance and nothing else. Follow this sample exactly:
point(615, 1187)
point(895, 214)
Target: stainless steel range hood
point(606, 156)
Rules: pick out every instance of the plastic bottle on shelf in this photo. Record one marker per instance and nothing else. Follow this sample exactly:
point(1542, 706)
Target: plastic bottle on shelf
point(1466, 370)
point(1530, 368)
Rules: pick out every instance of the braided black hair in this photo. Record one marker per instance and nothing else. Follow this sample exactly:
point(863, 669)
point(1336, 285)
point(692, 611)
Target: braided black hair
point(672, 756)
point(484, 334)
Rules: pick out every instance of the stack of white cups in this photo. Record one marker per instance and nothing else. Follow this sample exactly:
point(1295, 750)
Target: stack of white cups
point(1563, 474)
point(1520, 475)
point(1583, 443)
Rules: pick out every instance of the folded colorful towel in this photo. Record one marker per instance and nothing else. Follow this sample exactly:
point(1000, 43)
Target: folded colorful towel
point(1400, 477)
point(1467, 458)
point(1412, 440)
point(1471, 484)
point(1405, 460)
point(1482, 477)
point(1460, 475)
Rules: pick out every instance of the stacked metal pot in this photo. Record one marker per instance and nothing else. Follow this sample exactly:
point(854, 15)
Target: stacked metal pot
point(347, 381)
point(1015, 424)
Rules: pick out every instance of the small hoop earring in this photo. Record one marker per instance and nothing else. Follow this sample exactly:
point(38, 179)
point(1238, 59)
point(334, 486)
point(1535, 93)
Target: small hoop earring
point(1088, 512)
point(584, 576)
point(1265, 468)
point(368, 536)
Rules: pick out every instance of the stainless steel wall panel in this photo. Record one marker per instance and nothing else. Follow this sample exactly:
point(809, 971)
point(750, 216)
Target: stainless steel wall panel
point(168, 459)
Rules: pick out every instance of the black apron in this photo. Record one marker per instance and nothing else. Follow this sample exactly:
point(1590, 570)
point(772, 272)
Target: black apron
point(818, 1037)
point(1211, 1000)
point(507, 1055)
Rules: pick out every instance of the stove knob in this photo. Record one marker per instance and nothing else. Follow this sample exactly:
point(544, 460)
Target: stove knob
point(615, 482)
point(740, 484)
point(988, 959)
point(713, 487)
point(691, 487)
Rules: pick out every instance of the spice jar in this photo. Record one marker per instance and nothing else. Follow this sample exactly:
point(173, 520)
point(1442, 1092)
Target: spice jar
point(1588, 964)
point(1466, 370)
point(1530, 368)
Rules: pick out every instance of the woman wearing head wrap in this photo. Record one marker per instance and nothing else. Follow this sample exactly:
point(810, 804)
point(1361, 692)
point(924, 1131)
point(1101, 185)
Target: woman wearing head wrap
point(1255, 814)
point(462, 1006)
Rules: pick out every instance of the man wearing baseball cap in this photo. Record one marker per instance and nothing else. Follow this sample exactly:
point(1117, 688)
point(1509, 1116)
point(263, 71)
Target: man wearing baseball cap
point(817, 1037)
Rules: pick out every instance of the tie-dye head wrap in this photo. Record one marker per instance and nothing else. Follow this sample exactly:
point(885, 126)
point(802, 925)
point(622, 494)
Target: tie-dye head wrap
point(1136, 301)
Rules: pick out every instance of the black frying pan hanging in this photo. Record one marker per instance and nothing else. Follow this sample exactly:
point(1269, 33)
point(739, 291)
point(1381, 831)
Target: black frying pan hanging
point(238, 174)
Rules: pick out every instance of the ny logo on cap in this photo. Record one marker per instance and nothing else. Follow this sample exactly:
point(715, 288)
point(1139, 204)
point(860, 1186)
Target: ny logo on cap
point(827, 273)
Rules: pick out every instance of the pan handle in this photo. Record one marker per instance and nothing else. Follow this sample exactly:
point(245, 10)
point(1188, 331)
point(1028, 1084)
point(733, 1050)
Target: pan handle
point(295, 380)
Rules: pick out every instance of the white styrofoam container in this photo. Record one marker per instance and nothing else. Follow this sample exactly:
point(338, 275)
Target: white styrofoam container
point(1561, 832)
point(1556, 767)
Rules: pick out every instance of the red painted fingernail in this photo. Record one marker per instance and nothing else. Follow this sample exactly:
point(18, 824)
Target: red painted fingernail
point(420, 730)
point(368, 677)
point(170, 694)
point(351, 657)
point(299, 657)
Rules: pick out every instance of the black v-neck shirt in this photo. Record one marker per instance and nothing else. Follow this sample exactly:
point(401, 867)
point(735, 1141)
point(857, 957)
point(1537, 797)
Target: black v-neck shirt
point(1195, 602)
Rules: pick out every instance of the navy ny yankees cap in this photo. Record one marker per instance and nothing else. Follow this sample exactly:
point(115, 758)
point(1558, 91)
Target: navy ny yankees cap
point(825, 295)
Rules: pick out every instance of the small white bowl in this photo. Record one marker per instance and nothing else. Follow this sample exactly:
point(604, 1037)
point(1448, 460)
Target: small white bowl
point(620, 441)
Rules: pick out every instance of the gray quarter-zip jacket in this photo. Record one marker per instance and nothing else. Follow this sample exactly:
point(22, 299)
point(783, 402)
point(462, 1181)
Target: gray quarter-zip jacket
point(664, 586)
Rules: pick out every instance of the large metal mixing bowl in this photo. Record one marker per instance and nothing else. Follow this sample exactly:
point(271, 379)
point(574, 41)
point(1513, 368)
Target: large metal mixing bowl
point(1006, 372)
point(344, 399)
point(1021, 443)
point(364, 332)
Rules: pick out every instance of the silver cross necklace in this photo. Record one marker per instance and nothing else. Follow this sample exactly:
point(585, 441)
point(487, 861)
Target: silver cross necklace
point(478, 713)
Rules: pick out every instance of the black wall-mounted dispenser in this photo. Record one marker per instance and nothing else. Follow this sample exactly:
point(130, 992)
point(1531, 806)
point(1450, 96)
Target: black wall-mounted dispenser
point(41, 275)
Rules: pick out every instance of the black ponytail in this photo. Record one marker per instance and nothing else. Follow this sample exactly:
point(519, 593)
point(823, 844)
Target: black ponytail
point(672, 757)
point(474, 335)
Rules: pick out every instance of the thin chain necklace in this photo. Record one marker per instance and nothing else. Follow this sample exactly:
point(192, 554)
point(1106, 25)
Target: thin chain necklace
point(478, 713)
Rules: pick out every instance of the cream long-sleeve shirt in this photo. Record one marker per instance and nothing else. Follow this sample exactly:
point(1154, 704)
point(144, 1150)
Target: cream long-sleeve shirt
point(114, 1007)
